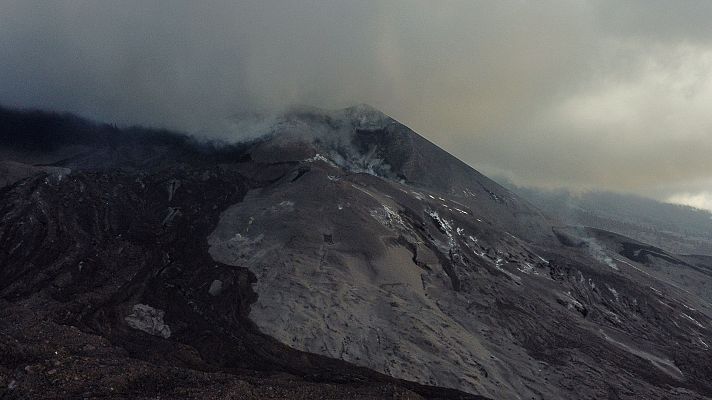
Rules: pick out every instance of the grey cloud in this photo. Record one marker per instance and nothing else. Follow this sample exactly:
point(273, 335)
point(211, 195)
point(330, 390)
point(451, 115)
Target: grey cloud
point(661, 20)
point(603, 94)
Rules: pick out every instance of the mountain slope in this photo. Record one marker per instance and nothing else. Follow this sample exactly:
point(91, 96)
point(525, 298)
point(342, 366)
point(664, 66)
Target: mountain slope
point(677, 228)
point(339, 247)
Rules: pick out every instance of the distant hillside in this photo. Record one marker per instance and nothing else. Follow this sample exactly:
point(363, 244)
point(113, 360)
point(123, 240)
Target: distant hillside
point(676, 228)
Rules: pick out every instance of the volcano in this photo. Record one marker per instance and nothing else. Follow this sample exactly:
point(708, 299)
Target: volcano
point(338, 254)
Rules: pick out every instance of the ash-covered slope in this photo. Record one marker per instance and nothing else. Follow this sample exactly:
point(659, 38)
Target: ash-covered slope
point(339, 247)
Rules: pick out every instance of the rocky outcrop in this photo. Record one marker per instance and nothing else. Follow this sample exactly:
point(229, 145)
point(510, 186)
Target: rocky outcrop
point(148, 319)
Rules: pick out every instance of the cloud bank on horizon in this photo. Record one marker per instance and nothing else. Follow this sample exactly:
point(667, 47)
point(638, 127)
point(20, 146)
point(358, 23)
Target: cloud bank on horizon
point(585, 94)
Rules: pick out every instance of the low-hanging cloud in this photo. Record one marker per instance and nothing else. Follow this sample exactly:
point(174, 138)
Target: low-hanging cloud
point(600, 94)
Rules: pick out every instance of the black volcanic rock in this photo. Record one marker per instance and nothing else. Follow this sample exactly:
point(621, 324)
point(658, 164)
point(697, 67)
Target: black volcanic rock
point(339, 255)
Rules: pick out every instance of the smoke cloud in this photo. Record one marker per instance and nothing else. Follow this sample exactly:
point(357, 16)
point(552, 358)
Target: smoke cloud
point(586, 94)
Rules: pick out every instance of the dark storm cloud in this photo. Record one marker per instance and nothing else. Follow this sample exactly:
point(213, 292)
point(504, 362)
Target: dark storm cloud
point(606, 94)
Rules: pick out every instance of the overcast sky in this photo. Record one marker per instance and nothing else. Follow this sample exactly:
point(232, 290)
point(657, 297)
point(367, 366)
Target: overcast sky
point(585, 94)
